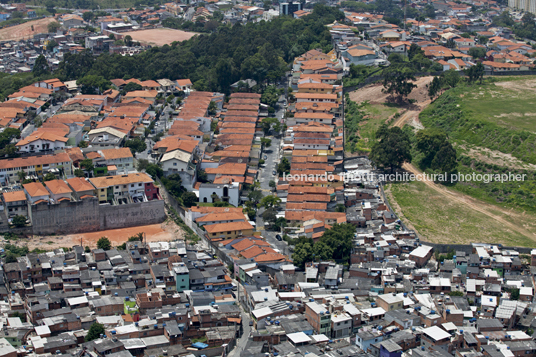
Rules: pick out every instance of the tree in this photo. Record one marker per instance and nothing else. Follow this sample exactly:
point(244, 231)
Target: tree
point(267, 124)
point(87, 249)
point(128, 40)
point(514, 293)
point(283, 166)
point(270, 201)
point(414, 50)
point(397, 80)
point(88, 16)
point(49, 177)
point(19, 221)
point(280, 222)
point(434, 87)
point(270, 96)
point(52, 27)
point(451, 78)
point(212, 108)
point(189, 199)
point(272, 184)
point(475, 73)
point(87, 165)
point(93, 84)
point(154, 171)
point(131, 87)
point(40, 67)
point(51, 44)
point(21, 175)
point(340, 208)
point(79, 173)
point(95, 331)
point(104, 243)
point(83, 144)
point(142, 164)
point(255, 196)
point(450, 43)
point(477, 52)
point(392, 149)
point(202, 176)
point(136, 145)
point(269, 215)
point(266, 142)
point(303, 253)
point(438, 153)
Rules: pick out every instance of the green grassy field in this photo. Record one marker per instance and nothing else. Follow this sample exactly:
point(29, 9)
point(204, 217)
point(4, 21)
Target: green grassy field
point(440, 220)
point(497, 115)
point(362, 121)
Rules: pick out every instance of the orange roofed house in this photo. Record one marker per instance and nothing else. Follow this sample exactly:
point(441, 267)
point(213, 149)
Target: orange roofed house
point(221, 231)
point(35, 166)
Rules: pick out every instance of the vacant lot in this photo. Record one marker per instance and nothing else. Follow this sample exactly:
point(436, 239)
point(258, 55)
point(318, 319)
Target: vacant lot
point(374, 116)
point(499, 117)
point(24, 31)
point(510, 104)
point(166, 231)
point(440, 219)
point(160, 36)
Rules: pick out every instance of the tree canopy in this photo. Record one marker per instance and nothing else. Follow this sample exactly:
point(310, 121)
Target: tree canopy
point(94, 332)
point(392, 149)
point(259, 51)
point(104, 243)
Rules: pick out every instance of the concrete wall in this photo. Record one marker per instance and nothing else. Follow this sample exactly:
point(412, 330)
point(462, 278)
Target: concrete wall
point(88, 216)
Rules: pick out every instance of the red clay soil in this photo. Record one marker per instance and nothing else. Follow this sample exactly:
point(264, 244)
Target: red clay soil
point(24, 31)
point(159, 36)
point(166, 231)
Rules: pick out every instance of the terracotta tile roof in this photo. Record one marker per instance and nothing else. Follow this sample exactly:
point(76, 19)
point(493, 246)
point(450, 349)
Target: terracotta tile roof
point(116, 153)
point(224, 227)
point(35, 189)
point(106, 181)
point(228, 169)
point(217, 217)
point(34, 160)
point(15, 196)
point(269, 257)
point(79, 184)
point(58, 187)
point(43, 135)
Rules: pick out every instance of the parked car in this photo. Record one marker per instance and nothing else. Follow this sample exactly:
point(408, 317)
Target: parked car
point(265, 157)
point(274, 173)
point(278, 237)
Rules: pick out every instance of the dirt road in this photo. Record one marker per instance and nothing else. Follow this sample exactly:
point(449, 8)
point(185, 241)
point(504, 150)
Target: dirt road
point(470, 202)
point(457, 197)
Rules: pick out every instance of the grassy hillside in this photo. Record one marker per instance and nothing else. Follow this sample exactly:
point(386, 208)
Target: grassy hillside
point(498, 116)
point(440, 220)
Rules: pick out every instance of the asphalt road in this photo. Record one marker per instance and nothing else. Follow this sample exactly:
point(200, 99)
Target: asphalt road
point(243, 340)
point(265, 176)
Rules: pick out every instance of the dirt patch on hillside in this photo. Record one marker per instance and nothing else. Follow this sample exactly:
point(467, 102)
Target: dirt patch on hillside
point(160, 36)
point(494, 157)
point(521, 85)
point(24, 31)
point(373, 93)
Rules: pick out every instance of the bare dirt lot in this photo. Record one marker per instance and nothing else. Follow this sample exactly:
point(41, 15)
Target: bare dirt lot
point(24, 31)
point(160, 36)
point(166, 231)
point(373, 93)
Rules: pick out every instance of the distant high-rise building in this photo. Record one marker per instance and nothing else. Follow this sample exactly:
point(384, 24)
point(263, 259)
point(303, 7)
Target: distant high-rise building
point(289, 8)
point(525, 5)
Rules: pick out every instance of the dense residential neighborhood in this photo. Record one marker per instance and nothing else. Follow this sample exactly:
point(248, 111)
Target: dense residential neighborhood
point(285, 242)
